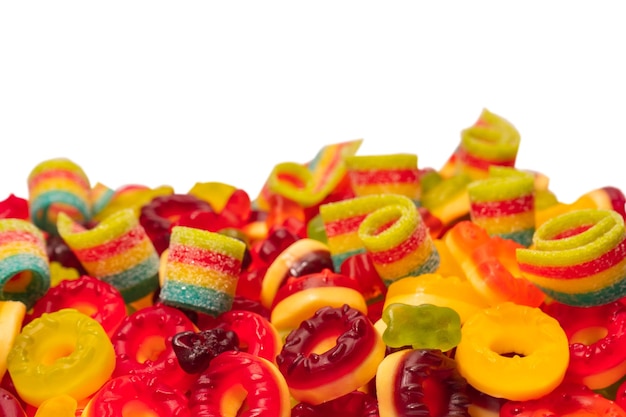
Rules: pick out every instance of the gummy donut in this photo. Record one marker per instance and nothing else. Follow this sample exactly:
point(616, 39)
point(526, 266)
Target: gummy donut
point(331, 354)
point(24, 267)
point(11, 317)
point(91, 296)
point(137, 395)
point(302, 257)
point(420, 382)
point(513, 351)
point(578, 258)
point(256, 334)
point(597, 342)
point(240, 384)
point(143, 344)
point(64, 352)
point(353, 404)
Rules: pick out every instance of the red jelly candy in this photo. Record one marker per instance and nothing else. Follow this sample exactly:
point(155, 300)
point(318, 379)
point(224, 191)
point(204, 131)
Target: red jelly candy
point(196, 350)
point(163, 212)
point(354, 404)
point(96, 298)
point(14, 207)
point(10, 405)
point(143, 344)
point(137, 395)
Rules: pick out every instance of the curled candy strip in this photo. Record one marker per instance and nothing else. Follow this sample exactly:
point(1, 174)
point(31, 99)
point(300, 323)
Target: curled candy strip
point(24, 267)
point(117, 250)
point(388, 227)
point(384, 174)
point(578, 258)
point(201, 270)
point(58, 186)
point(420, 382)
point(503, 204)
point(308, 184)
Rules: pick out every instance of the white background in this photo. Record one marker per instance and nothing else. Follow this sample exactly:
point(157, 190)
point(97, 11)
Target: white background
point(153, 92)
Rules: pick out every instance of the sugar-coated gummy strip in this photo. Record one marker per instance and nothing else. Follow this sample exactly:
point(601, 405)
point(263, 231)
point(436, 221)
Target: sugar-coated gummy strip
point(308, 184)
point(503, 204)
point(378, 174)
point(116, 250)
point(58, 185)
point(24, 266)
point(577, 257)
point(201, 270)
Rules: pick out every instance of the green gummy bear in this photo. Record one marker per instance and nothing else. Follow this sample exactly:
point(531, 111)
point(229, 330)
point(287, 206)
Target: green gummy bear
point(425, 326)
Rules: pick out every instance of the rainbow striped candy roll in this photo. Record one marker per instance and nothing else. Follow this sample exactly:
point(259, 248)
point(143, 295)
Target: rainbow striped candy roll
point(101, 195)
point(308, 184)
point(58, 186)
point(201, 270)
point(24, 267)
point(117, 251)
point(503, 204)
point(381, 174)
point(578, 258)
point(492, 140)
point(386, 226)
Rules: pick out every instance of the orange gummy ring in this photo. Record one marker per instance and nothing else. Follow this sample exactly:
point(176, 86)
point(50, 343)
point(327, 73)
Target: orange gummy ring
point(513, 351)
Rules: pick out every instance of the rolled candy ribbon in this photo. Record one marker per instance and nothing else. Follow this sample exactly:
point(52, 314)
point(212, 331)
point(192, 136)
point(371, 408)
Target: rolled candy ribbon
point(381, 174)
point(117, 250)
point(386, 226)
point(24, 266)
point(503, 204)
point(58, 186)
point(201, 270)
point(446, 198)
point(492, 140)
point(308, 184)
point(578, 258)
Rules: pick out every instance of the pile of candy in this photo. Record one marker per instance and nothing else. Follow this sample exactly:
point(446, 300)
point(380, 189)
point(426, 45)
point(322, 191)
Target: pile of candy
point(353, 284)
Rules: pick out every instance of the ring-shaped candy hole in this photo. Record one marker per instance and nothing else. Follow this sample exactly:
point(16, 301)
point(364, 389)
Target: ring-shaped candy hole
point(332, 353)
point(63, 352)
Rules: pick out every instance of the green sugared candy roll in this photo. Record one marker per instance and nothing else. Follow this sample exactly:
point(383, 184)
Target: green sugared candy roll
point(578, 258)
point(202, 270)
point(503, 204)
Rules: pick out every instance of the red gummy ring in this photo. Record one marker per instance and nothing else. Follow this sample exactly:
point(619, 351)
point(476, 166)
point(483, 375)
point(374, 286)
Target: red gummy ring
point(597, 338)
point(420, 382)
point(351, 349)
point(91, 296)
point(143, 344)
point(163, 212)
point(236, 378)
point(256, 334)
point(137, 395)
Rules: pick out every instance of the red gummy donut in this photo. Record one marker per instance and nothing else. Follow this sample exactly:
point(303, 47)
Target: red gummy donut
point(240, 384)
point(143, 345)
point(354, 404)
point(597, 341)
point(256, 334)
point(163, 212)
point(565, 401)
point(137, 395)
point(91, 296)
point(9, 405)
point(331, 354)
point(421, 382)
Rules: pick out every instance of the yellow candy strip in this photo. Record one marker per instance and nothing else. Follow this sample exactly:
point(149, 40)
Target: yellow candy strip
point(308, 184)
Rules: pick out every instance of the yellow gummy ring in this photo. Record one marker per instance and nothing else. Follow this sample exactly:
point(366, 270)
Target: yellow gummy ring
point(513, 351)
point(61, 353)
